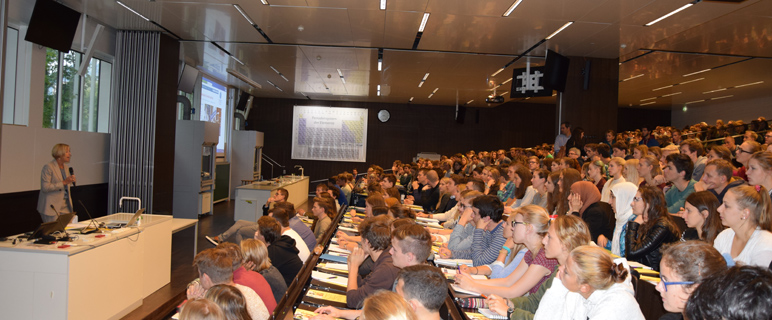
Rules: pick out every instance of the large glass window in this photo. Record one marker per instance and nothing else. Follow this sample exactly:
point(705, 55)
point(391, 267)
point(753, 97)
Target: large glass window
point(73, 102)
point(9, 92)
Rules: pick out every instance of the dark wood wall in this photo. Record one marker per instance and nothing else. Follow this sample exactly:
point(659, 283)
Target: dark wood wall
point(412, 129)
point(633, 118)
point(165, 125)
point(20, 208)
point(595, 108)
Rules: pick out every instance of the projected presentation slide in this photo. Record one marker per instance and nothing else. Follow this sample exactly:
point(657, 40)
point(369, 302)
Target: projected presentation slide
point(214, 100)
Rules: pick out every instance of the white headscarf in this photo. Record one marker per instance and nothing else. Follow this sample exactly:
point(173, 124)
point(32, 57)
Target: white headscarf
point(624, 192)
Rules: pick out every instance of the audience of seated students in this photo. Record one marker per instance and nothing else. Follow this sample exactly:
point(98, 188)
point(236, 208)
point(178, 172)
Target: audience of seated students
point(652, 228)
point(256, 259)
point(282, 214)
point(621, 201)
point(553, 191)
point(616, 174)
point(398, 211)
point(619, 149)
point(508, 190)
point(683, 267)
point(565, 233)
point(640, 151)
point(678, 172)
point(460, 240)
point(248, 278)
point(282, 251)
point(759, 170)
point(526, 226)
point(717, 178)
point(567, 178)
point(701, 217)
point(600, 288)
point(428, 195)
point(539, 184)
point(487, 213)
point(584, 202)
point(747, 212)
point(651, 172)
point(230, 300)
point(323, 209)
point(201, 309)
point(491, 177)
point(631, 172)
point(280, 195)
point(693, 148)
point(524, 191)
point(215, 267)
point(743, 155)
point(449, 191)
point(376, 241)
point(741, 292)
point(596, 172)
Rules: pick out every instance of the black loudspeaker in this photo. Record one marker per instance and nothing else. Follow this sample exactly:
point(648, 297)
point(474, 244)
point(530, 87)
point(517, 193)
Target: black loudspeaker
point(460, 114)
point(586, 74)
point(52, 25)
point(242, 104)
point(556, 71)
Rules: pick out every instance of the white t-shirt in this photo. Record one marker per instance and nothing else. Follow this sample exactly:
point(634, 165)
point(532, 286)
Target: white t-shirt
point(757, 252)
point(299, 243)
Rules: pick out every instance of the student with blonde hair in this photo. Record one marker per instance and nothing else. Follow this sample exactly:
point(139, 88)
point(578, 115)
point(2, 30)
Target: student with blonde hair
point(256, 259)
point(230, 300)
point(386, 305)
point(616, 169)
point(747, 212)
point(201, 309)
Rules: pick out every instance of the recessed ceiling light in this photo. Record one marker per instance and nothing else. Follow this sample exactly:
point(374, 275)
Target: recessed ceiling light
point(497, 72)
point(379, 90)
point(693, 73)
point(647, 103)
point(671, 94)
point(423, 22)
point(696, 101)
point(717, 90)
point(507, 81)
point(435, 90)
point(724, 97)
point(665, 87)
point(503, 93)
point(411, 99)
point(237, 60)
point(265, 2)
point(469, 102)
point(383, 4)
point(652, 98)
point(380, 59)
point(673, 12)
point(423, 80)
point(133, 11)
point(243, 14)
point(749, 84)
point(559, 30)
point(430, 95)
point(512, 8)
point(690, 81)
point(633, 77)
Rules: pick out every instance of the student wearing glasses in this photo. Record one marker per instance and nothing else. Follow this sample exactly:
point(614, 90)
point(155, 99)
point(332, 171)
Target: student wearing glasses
point(743, 155)
point(526, 227)
point(683, 267)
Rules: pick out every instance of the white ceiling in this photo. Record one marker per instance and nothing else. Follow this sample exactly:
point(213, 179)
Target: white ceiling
point(464, 43)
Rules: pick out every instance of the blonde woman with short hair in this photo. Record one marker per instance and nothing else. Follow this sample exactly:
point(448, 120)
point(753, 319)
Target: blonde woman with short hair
point(256, 259)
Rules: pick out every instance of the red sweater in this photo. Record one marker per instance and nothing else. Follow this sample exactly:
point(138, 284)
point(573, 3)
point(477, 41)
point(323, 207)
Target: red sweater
point(256, 282)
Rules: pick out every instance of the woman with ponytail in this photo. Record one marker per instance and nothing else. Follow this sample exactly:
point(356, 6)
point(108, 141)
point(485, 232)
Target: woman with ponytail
point(748, 214)
point(604, 286)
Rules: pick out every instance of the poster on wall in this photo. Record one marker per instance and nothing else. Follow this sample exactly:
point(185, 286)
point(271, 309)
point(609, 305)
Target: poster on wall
point(331, 134)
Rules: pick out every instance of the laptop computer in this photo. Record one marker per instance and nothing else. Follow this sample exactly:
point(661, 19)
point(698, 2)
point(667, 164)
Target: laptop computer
point(131, 223)
point(47, 228)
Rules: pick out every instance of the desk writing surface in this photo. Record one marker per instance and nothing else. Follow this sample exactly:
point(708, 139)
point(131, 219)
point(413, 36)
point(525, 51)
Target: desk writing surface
point(85, 242)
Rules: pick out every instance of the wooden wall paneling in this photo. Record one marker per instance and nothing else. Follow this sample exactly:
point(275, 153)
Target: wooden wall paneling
point(165, 126)
point(594, 109)
point(636, 118)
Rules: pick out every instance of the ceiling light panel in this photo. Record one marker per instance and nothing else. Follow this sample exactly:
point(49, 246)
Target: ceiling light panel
point(423, 22)
point(684, 7)
point(512, 8)
point(568, 24)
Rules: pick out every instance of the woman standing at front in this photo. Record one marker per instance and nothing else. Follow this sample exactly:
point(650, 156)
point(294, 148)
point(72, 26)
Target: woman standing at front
point(55, 185)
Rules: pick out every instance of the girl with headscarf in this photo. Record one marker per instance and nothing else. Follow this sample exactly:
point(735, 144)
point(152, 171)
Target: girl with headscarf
point(621, 201)
point(584, 202)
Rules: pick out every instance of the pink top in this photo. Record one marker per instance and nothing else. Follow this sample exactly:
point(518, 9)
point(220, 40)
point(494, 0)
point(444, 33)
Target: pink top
point(540, 260)
point(256, 282)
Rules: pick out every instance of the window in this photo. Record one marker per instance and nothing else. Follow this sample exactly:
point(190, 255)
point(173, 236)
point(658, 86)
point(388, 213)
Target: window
point(72, 102)
point(9, 92)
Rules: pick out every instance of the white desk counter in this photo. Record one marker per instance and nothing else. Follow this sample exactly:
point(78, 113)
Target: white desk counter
point(251, 198)
point(94, 278)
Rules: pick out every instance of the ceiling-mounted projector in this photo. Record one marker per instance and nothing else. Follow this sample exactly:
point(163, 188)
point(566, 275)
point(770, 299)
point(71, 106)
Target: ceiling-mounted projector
point(494, 99)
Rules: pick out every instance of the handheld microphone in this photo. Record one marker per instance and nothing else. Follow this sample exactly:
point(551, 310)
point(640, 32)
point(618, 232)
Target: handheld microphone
point(59, 221)
point(72, 172)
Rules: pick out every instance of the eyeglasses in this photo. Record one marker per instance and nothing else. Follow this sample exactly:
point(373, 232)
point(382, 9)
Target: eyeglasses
point(515, 223)
point(740, 150)
point(675, 283)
